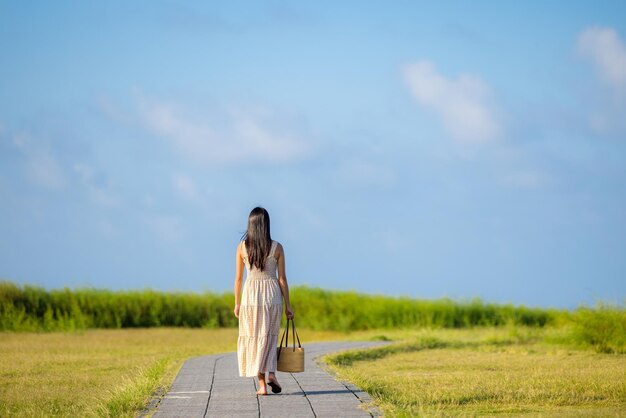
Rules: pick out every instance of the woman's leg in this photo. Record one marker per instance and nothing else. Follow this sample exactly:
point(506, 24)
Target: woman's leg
point(262, 388)
point(273, 382)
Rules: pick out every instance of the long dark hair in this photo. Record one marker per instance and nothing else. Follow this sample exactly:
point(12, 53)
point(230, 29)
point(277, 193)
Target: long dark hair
point(257, 238)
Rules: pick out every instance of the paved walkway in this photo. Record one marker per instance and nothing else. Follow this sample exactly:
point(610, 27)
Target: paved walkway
point(210, 386)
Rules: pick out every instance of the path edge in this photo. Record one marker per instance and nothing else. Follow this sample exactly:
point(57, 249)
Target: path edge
point(366, 400)
point(155, 398)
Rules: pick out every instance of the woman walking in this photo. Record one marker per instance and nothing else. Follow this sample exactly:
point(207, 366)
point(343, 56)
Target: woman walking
point(259, 308)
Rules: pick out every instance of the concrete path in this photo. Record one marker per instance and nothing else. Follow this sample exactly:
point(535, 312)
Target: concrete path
point(210, 386)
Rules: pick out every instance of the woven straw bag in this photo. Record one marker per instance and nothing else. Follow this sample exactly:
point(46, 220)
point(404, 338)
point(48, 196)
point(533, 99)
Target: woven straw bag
point(290, 359)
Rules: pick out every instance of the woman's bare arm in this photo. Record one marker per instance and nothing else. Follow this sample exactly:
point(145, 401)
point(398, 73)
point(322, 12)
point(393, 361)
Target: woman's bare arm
point(282, 280)
point(238, 279)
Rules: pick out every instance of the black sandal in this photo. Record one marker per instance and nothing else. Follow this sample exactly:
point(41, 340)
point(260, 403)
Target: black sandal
point(275, 387)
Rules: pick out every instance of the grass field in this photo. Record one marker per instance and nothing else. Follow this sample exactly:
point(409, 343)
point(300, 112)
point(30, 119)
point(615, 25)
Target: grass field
point(505, 370)
point(96, 355)
point(488, 372)
point(101, 372)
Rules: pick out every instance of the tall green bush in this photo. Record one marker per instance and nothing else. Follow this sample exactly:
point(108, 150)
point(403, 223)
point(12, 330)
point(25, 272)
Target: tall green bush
point(345, 311)
point(602, 327)
point(31, 308)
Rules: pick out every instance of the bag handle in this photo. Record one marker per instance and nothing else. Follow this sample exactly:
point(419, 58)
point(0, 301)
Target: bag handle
point(294, 336)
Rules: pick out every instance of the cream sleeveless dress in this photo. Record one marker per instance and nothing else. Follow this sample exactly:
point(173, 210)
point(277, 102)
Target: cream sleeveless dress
point(259, 317)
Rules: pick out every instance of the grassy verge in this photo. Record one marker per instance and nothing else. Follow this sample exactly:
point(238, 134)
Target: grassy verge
point(508, 372)
point(130, 397)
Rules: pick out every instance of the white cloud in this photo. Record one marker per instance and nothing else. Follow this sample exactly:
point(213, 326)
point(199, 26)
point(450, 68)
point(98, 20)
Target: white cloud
point(394, 241)
point(524, 179)
point(185, 186)
point(42, 167)
point(600, 121)
point(242, 135)
point(463, 104)
point(107, 229)
point(46, 171)
point(604, 48)
point(97, 194)
point(361, 173)
point(84, 171)
point(168, 229)
point(108, 107)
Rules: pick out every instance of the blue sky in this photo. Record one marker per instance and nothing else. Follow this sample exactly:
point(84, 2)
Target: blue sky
point(406, 148)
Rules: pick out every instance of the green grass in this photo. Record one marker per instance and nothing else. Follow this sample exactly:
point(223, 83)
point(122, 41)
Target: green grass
point(103, 372)
point(94, 368)
point(32, 308)
point(500, 371)
point(113, 372)
point(130, 397)
point(602, 327)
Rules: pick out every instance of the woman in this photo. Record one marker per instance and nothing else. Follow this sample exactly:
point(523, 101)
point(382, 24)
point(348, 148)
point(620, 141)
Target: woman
point(259, 309)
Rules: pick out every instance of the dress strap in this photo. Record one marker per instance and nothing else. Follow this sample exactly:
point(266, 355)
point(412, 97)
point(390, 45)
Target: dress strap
point(244, 252)
point(273, 249)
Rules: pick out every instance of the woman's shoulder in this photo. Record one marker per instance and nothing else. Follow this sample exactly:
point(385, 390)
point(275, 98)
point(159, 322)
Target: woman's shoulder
point(278, 247)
